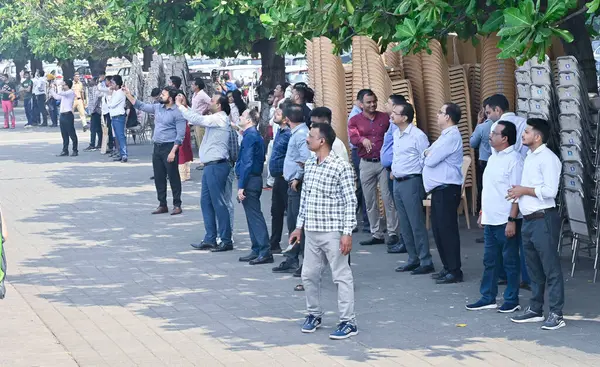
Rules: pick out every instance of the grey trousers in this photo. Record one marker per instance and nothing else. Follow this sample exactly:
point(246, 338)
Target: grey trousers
point(320, 248)
point(371, 174)
point(540, 239)
point(408, 196)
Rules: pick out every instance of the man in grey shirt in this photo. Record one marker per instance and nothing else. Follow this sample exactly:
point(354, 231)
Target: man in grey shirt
point(169, 131)
point(214, 153)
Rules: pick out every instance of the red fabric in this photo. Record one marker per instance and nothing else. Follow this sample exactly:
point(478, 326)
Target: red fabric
point(360, 127)
point(185, 150)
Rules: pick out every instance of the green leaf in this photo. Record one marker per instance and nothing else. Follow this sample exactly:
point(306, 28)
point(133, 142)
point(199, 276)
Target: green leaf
point(566, 35)
point(266, 19)
point(527, 8)
point(349, 6)
point(513, 17)
point(511, 31)
point(593, 6)
point(556, 10)
point(408, 29)
point(494, 22)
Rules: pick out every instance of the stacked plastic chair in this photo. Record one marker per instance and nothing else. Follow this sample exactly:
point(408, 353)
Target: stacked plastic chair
point(436, 86)
point(497, 75)
point(579, 141)
point(413, 71)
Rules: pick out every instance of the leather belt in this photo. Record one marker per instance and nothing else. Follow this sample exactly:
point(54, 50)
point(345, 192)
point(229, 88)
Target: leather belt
point(441, 187)
point(372, 160)
point(407, 177)
point(215, 162)
point(538, 215)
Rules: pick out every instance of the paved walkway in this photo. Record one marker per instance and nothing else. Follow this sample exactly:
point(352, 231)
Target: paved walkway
point(95, 280)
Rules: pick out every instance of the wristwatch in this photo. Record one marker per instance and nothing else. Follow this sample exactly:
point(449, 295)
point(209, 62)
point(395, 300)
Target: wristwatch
point(512, 219)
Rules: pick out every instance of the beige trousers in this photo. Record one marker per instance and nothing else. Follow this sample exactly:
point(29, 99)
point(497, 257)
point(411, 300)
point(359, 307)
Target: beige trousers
point(372, 174)
point(78, 105)
point(185, 172)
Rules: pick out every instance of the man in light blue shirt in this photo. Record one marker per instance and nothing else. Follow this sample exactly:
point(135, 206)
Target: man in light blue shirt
point(480, 139)
point(356, 109)
point(442, 176)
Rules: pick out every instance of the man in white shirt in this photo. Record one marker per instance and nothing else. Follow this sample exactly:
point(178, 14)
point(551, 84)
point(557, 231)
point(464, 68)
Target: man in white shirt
point(67, 119)
point(496, 109)
point(108, 139)
point(541, 226)
point(116, 109)
point(498, 216)
point(323, 114)
point(39, 93)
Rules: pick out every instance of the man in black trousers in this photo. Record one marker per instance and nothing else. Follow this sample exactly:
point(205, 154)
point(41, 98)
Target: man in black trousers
point(67, 120)
point(169, 131)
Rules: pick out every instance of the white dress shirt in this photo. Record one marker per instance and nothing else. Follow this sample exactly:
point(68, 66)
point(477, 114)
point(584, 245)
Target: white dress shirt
point(116, 104)
point(443, 164)
point(106, 94)
point(541, 171)
point(39, 86)
point(408, 148)
point(520, 124)
point(502, 172)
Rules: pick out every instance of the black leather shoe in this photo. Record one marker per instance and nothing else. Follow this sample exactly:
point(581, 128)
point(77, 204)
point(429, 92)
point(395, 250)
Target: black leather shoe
point(250, 257)
point(275, 248)
point(397, 249)
point(439, 275)
point(223, 248)
point(449, 279)
point(262, 260)
point(409, 267)
point(372, 241)
point(203, 246)
point(423, 270)
point(63, 154)
point(392, 240)
point(74, 154)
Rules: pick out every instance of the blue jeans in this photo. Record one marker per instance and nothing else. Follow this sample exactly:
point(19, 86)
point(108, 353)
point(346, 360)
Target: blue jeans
point(524, 274)
point(213, 203)
point(29, 108)
point(259, 235)
point(118, 124)
point(496, 245)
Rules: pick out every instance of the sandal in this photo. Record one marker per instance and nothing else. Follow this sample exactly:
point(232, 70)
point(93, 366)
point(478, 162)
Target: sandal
point(299, 288)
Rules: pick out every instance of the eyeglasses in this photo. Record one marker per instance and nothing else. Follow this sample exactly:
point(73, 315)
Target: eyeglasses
point(495, 133)
point(442, 113)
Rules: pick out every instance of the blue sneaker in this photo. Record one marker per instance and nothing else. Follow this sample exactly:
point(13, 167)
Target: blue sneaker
point(509, 307)
point(344, 330)
point(311, 324)
point(481, 305)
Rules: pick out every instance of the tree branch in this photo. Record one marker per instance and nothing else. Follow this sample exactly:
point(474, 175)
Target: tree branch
point(572, 15)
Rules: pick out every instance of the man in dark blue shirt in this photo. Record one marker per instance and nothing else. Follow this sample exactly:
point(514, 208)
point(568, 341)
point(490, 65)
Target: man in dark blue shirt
point(280, 186)
point(249, 169)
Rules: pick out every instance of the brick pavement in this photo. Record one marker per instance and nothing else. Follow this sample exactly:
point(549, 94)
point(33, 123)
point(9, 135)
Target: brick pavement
point(95, 280)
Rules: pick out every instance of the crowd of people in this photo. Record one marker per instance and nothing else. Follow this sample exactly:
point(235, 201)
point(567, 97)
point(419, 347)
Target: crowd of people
point(324, 195)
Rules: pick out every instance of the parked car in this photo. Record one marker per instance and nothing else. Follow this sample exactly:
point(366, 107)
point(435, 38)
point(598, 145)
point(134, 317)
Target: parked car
point(204, 66)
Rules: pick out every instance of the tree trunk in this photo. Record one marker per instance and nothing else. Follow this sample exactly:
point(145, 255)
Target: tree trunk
point(581, 48)
point(148, 53)
point(273, 67)
point(36, 65)
point(98, 66)
point(19, 65)
point(68, 69)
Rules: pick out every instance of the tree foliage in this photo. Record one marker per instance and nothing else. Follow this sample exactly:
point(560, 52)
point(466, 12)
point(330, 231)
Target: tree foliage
point(525, 26)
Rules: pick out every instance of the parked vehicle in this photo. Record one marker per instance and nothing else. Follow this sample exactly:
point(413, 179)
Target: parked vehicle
point(204, 66)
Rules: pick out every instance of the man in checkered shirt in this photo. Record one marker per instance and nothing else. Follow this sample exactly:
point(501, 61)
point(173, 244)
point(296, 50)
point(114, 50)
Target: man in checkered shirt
point(327, 216)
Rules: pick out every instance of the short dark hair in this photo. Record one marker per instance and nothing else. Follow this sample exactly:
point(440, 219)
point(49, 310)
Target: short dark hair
point(69, 83)
point(271, 92)
point(321, 112)
point(173, 92)
point(541, 126)
point(497, 100)
point(408, 111)
point(118, 80)
point(41, 72)
point(176, 81)
point(365, 93)
point(361, 94)
point(199, 83)
point(509, 131)
point(285, 104)
point(305, 92)
point(26, 72)
point(453, 110)
point(397, 99)
point(326, 132)
point(294, 113)
point(224, 102)
point(254, 116)
point(155, 92)
point(109, 78)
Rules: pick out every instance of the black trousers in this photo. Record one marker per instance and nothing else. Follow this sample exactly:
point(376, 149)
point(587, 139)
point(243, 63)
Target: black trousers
point(111, 138)
point(96, 130)
point(279, 201)
point(444, 225)
point(480, 169)
point(40, 108)
point(67, 130)
point(293, 209)
point(162, 169)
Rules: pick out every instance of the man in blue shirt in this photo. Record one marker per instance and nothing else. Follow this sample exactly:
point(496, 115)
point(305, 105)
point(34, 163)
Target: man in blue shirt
point(480, 139)
point(279, 196)
point(249, 169)
point(362, 208)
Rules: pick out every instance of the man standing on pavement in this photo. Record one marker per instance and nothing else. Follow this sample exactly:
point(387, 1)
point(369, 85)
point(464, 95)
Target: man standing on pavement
point(302, 94)
point(293, 172)
point(7, 91)
point(95, 108)
point(409, 144)
point(51, 102)
point(366, 132)
point(442, 177)
point(249, 169)
point(498, 217)
point(67, 119)
point(116, 108)
point(200, 104)
point(541, 226)
point(279, 196)
point(328, 188)
point(387, 158)
point(26, 90)
point(214, 153)
point(80, 100)
point(362, 208)
point(39, 93)
point(104, 86)
point(323, 115)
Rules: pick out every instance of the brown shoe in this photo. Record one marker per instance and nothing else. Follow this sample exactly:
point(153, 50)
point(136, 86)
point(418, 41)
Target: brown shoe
point(161, 210)
point(176, 210)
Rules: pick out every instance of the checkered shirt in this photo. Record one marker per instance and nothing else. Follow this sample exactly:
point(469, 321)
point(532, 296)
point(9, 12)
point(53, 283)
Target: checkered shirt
point(328, 201)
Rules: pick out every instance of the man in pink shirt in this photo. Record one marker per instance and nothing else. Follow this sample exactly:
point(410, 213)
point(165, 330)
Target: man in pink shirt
point(200, 104)
point(367, 130)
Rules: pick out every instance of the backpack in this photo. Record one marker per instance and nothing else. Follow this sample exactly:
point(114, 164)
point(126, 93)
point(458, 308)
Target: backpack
point(2, 263)
point(234, 146)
